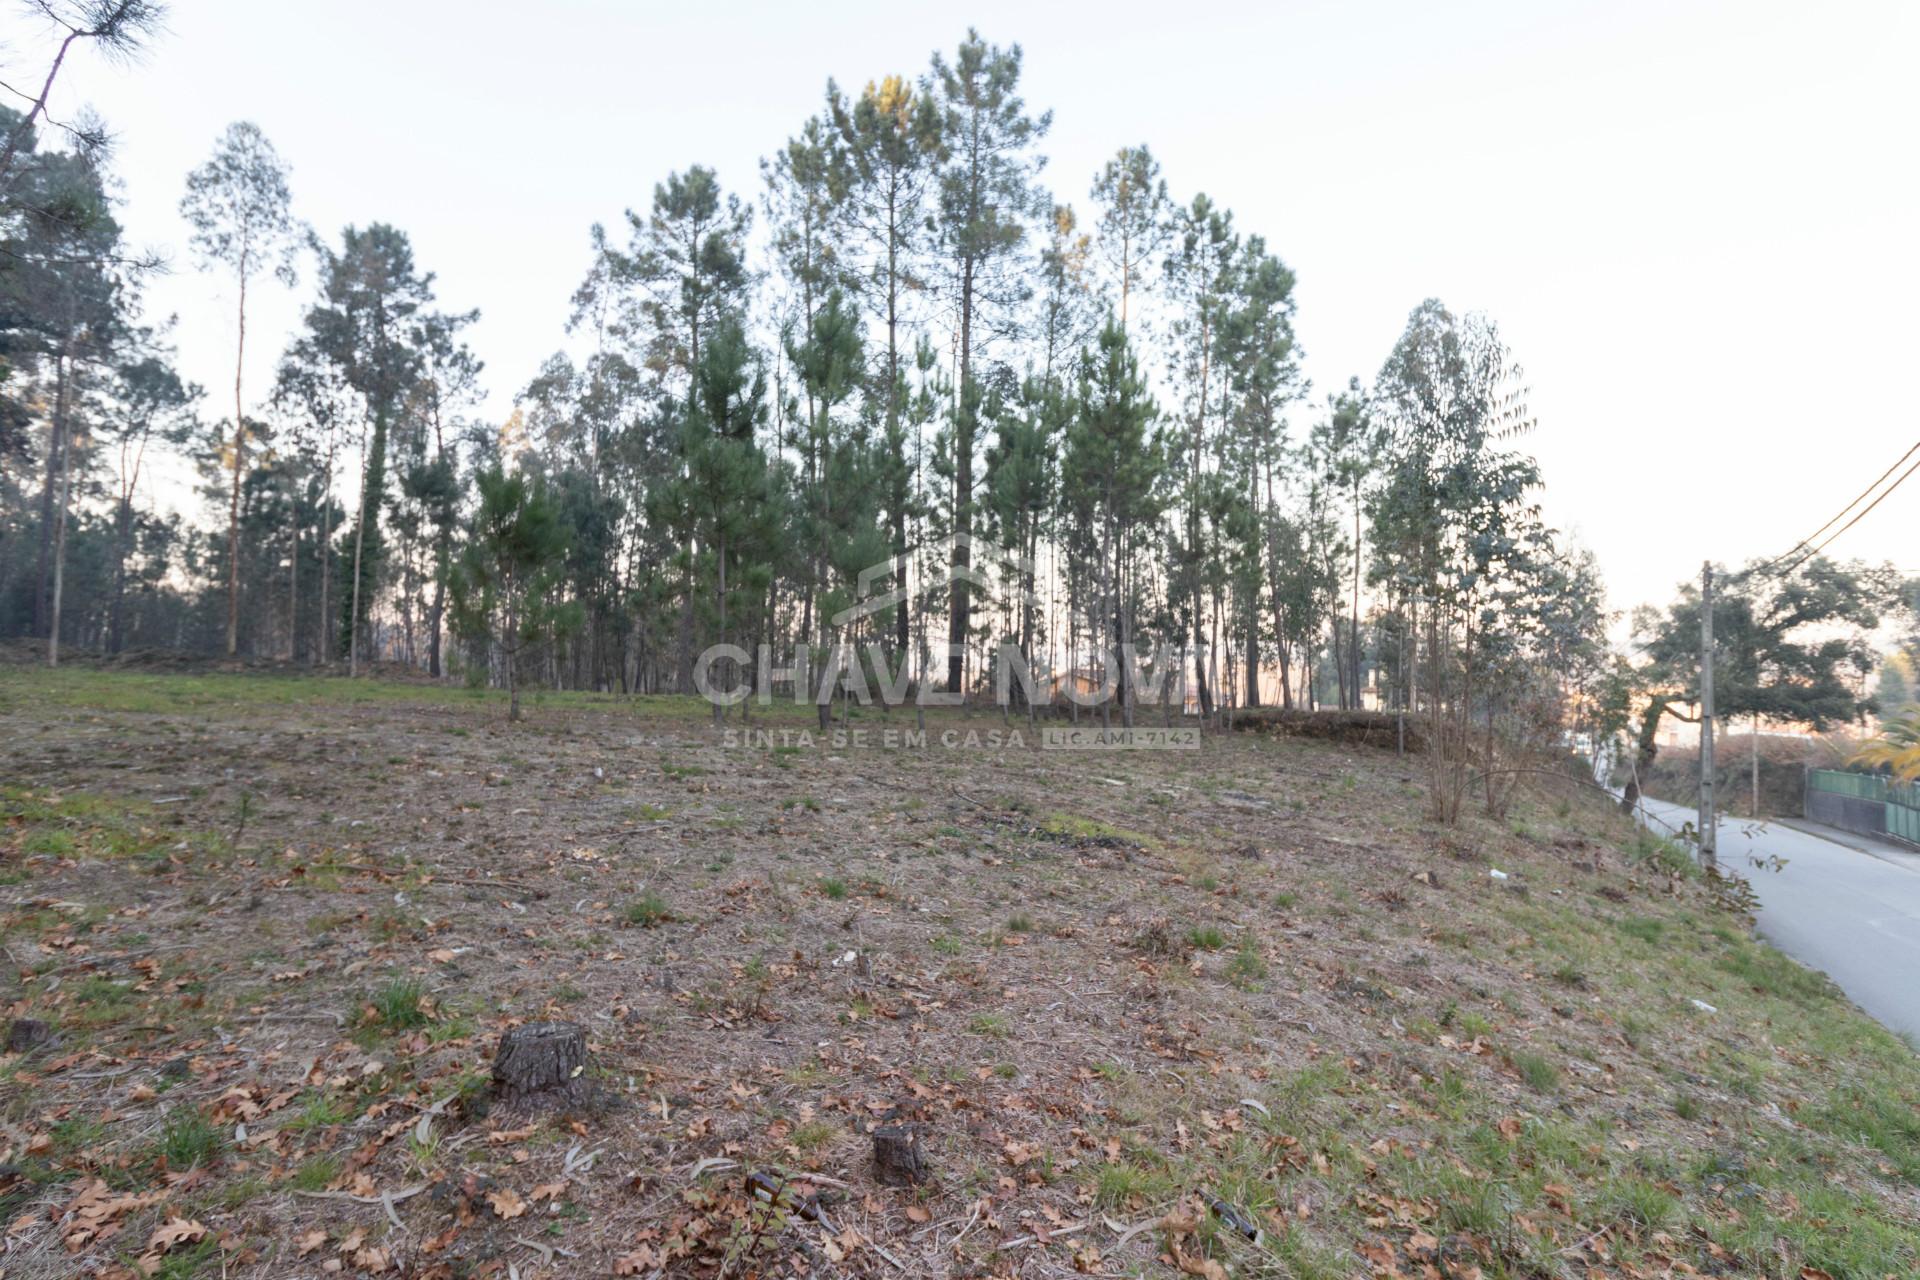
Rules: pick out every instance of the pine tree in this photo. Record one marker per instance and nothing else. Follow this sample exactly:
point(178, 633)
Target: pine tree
point(888, 141)
point(687, 260)
point(1112, 464)
point(1201, 272)
point(502, 585)
point(365, 325)
point(716, 503)
point(987, 196)
point(1133, 223)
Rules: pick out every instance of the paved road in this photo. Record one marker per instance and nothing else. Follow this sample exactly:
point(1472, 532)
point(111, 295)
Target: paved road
point(1846, 905)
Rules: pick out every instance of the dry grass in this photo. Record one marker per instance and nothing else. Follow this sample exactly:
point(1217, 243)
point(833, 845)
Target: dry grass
point(1103, 986)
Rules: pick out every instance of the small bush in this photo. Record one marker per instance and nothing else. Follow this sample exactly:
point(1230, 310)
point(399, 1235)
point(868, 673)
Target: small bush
point(835, 889)
point(647, 911)
point(1206, 937)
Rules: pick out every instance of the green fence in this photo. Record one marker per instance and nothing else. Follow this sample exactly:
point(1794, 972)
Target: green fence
point(1898, 802)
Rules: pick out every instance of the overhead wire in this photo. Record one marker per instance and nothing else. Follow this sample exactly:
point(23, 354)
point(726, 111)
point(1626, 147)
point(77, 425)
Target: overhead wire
point(1809, 540)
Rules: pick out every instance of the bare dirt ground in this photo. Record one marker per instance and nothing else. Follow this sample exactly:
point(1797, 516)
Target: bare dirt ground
point(1136, 1009)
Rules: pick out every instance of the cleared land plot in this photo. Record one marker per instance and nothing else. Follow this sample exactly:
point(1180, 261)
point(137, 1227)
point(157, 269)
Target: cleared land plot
point(276, 927)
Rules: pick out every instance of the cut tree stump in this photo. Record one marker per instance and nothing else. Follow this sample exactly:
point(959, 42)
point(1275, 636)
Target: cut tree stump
point(542, 1061)
point(27, 1034)
point(897, 1154)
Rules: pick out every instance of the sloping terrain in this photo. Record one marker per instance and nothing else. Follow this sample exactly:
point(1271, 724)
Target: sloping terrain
point(1136, 1009)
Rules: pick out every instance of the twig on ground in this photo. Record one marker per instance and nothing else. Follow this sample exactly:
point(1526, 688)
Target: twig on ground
point(546, 1251)
point(387, 1198)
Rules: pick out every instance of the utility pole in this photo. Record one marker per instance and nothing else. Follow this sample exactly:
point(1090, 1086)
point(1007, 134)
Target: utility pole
point(1706, 828)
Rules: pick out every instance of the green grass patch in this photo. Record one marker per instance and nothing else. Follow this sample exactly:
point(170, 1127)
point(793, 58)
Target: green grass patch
point(647, 911)
point(188, 1139)
point(1537, 1070)
point(400, 1005)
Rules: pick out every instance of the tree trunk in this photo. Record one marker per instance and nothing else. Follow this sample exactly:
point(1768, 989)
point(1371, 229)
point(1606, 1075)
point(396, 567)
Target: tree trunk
point(59, 556)
point(293, 579)
point(50, 492)
point(239, 460)
point(122, 548)
point(541, 1062)
point(897, 1154)
point(958, 601)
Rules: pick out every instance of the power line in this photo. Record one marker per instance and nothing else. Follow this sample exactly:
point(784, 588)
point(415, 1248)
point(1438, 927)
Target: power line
point(1814, 551)
point(1914, 448)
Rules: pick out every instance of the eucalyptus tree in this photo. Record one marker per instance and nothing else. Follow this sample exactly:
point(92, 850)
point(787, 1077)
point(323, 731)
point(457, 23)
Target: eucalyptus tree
point(240, 210)
point(988, 195)
point(888, 141)
point(1447, 398)
point(1133, 223)
point(1451, 510)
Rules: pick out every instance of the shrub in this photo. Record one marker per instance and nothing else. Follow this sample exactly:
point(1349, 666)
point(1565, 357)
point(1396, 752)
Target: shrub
point(648, 910)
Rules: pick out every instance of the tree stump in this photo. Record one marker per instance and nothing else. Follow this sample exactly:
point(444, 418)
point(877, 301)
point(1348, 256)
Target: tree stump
point(542, 1061)
point(897, 1154)
point(24, 1035)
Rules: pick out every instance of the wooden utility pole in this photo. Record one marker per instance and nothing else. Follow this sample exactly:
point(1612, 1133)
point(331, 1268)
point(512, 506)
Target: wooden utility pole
point(1706, 828)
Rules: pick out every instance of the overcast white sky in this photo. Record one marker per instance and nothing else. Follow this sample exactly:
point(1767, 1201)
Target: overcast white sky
point(1695, 223)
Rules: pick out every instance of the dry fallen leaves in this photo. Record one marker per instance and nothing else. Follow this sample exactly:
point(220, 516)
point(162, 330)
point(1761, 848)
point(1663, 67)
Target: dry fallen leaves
point(506, 1202)
point(174, 1231)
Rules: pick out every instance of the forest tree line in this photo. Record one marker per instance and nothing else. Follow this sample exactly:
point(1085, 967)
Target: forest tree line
point(899, 346)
